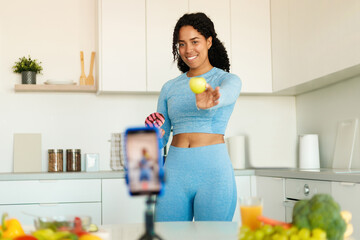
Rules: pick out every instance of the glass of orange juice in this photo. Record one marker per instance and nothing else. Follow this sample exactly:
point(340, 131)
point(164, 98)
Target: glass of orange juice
point(250, 209)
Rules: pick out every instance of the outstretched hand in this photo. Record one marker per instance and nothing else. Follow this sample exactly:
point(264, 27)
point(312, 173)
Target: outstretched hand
point(209, 98)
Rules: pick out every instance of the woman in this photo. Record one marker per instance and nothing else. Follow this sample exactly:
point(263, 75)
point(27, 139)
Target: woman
point(200, 182)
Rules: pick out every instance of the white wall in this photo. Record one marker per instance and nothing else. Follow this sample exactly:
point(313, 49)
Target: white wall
point(55, 32)
point(320, 112)
point(269, 124)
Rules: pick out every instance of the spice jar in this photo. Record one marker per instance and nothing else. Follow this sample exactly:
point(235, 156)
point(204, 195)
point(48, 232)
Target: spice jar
point(73, 160)
point(55, 160)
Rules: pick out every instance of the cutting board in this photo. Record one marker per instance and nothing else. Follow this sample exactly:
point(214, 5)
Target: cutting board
point(345, 142)
point(27, 152)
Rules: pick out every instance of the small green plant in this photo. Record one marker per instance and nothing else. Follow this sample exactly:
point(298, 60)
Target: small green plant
point(27, 64)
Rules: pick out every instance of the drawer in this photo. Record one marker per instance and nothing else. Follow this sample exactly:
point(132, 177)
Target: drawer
point(26, 213)
point(50, 191)
point(305, 189)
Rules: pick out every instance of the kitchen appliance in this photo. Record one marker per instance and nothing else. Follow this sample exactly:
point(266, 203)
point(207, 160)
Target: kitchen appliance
point(345, 142)
point(298, 189)
point(309, 151)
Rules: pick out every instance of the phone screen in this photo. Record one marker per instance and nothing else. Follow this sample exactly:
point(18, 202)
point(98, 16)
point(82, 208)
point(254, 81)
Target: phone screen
point(142, 151)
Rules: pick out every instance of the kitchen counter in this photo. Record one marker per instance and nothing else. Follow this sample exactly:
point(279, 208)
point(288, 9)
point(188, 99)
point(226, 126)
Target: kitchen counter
point(339, 175)
point(83, 175)
point(176, 230)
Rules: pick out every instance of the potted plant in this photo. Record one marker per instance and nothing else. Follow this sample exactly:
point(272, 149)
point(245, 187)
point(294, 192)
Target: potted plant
point(28, 68)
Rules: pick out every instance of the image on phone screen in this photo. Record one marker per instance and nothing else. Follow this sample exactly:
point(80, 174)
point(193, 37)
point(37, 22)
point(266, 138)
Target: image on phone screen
point(143, 162)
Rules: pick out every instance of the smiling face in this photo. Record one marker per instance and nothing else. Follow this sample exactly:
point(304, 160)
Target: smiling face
point(193, 49)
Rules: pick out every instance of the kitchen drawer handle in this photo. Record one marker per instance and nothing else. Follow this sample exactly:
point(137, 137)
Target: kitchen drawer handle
point(306, 190)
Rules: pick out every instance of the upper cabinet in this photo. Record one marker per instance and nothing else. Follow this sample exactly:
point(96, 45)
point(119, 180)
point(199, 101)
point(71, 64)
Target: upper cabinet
point(161, 17)
point(219, 13)
point(278, 46)
point(122, 45)
point(251, 45)
point(314, 43)
point(135, 41)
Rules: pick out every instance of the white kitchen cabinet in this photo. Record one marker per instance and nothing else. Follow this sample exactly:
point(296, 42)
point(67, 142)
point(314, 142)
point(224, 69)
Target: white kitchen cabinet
point(251, 44)
point(122, 45)
point(243, 188)
point(50, 198)
point(50, 191)
point(118, 206)
point(219, 13)
point(312, 40)
point(347, 195)
point(161, 17)
point(271, 189)
point(135, 42)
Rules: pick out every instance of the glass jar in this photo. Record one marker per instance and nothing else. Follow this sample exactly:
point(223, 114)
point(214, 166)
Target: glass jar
point(55, 160)
point(73, 160)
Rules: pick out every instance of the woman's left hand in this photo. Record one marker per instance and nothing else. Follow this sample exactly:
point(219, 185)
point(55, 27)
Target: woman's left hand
point(209, 98)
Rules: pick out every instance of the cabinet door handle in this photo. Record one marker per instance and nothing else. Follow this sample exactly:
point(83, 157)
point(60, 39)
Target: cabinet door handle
point(277, 178)
point(306, 190)
point(347, 184)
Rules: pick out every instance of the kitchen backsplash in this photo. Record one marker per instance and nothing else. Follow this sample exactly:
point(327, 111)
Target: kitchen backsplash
point(321, 111)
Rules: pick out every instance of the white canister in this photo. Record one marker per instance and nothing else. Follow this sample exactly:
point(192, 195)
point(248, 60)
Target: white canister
point(309, 151)
point(236, 149)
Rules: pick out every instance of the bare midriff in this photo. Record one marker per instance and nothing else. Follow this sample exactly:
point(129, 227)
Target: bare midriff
point(190, 140)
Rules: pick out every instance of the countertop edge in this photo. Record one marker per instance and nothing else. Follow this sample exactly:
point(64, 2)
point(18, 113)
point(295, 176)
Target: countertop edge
point(339, 175)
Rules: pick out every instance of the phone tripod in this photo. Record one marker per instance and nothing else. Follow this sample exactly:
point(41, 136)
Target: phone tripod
point(149, 221)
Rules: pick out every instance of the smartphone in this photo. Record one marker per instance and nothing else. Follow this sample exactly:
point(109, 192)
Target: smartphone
point(143, 161)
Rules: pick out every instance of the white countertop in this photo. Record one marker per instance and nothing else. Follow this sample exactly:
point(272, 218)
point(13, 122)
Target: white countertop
point(322, 174)
point(340, 175)
point(82, 175)
point(176, 231)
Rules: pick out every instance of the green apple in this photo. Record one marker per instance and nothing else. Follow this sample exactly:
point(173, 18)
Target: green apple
point(197, 84)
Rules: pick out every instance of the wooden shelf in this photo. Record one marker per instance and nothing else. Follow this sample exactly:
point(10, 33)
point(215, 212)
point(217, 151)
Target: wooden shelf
point(54, 88)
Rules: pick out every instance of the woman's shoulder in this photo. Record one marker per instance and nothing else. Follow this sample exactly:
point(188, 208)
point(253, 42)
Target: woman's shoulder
point(227, 75)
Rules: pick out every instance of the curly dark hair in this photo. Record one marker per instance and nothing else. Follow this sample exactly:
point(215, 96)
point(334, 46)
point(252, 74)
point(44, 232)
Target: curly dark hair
point(217, 53)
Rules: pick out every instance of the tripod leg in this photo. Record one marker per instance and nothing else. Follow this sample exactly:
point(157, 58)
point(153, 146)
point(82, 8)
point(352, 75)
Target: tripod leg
point(157, 236)
point(149, 223)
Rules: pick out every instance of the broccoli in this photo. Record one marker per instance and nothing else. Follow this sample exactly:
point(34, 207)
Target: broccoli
point(321, 211)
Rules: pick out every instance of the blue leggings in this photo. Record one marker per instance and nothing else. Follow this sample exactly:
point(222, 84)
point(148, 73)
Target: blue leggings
point(199, 185)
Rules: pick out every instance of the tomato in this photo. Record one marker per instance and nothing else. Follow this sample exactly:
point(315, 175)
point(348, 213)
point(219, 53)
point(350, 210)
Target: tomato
point(26, 237)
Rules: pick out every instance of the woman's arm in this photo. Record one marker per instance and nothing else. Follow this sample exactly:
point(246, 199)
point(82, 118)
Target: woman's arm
point(162, 108)
point(226, 94)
